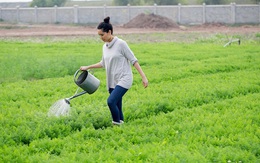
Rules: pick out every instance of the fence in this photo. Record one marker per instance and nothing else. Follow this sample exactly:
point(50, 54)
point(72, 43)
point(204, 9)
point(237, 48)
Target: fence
point(182, 14)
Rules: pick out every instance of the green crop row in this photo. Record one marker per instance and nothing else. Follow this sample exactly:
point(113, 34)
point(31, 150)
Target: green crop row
point(202, 104)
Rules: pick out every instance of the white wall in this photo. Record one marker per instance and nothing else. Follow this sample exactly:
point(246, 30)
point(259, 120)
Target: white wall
point(182, 14)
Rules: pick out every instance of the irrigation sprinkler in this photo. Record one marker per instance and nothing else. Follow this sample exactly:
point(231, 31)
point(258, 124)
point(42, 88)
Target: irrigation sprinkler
point(231, 41)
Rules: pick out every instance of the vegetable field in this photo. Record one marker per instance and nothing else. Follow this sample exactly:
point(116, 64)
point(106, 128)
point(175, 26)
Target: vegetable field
point(202, 103)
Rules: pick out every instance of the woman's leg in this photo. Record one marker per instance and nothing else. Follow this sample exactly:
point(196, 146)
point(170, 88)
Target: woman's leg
point(114, 102)
point(119, 105)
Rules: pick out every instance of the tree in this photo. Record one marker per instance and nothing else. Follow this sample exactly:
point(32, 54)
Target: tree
point(47, 3)
point(166, 2)
point(215, 2)
point(121, 2)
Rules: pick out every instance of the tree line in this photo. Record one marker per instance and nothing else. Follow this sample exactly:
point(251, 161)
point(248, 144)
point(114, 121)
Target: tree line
point(47, 3)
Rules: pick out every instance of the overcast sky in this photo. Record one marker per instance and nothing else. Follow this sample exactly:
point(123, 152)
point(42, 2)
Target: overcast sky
point(15, 0)
point(28, 0)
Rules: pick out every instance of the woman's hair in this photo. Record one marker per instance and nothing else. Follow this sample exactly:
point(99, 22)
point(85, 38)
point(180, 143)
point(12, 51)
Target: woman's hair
point(105, 25)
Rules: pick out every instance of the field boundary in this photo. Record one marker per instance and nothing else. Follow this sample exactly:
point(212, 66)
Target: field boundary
point(181, 14)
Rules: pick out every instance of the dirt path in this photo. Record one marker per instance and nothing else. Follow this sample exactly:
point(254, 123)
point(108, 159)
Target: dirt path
point(24, 30)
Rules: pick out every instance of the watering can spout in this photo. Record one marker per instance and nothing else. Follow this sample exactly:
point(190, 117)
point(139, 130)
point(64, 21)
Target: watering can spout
point(67, 101)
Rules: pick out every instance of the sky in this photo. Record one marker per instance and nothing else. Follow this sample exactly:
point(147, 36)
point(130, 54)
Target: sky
point(18, 0)
point(15, 0)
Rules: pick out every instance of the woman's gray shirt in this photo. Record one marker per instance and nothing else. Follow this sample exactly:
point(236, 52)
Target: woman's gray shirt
point(116, 59)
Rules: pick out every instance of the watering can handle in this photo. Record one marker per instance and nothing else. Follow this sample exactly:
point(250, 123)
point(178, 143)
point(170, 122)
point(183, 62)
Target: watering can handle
point(75, 75)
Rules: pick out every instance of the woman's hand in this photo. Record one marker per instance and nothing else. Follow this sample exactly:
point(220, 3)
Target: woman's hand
point(84, 68)
point(145, 82)
point(139, 69)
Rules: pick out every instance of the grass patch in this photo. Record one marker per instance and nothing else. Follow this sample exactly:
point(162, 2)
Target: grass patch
point(202, 104)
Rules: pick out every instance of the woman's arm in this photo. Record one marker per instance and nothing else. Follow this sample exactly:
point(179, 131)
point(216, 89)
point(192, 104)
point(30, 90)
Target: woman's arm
point(139, 69)
point(97, 65)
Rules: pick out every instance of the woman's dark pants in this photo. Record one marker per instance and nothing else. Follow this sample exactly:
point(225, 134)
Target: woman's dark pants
point(114, 102)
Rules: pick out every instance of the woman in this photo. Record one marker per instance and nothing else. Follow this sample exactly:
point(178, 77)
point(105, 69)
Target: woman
point(116, 59)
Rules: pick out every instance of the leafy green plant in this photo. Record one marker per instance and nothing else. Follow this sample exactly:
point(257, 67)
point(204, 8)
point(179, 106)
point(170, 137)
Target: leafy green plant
point(202, 103)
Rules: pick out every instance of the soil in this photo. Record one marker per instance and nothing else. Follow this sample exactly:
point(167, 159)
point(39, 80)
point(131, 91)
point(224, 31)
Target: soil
point(151, 21)
point(140, 24)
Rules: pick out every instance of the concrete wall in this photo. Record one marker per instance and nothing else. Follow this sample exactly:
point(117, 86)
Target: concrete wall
point(182, 14)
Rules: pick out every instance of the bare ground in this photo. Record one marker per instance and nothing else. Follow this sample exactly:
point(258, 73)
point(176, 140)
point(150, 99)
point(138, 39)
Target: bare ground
point(22, 30)
point(147, 25)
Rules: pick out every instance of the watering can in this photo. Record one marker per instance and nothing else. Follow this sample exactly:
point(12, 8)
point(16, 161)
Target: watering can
point(88, 82)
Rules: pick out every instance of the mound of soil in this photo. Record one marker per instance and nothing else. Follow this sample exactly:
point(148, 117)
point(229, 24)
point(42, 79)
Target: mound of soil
point(150, 21)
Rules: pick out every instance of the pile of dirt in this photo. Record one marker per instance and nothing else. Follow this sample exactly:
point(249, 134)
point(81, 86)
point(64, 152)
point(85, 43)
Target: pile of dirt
point(150, 21)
